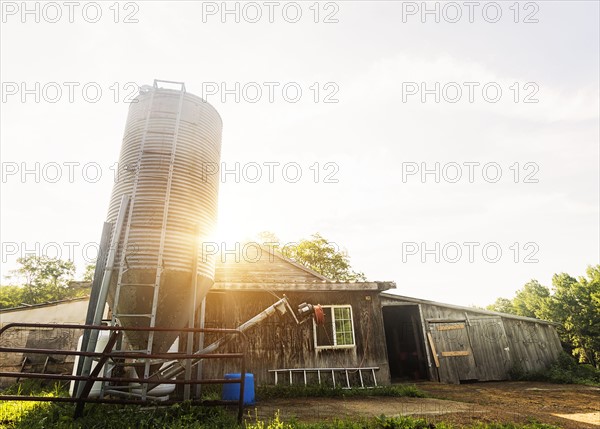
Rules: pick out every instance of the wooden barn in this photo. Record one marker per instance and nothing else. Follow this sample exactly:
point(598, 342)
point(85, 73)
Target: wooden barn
point(370, 336)
point(347, 350)
point(454, 344)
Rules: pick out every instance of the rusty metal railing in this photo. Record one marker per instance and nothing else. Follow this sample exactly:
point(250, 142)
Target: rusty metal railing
point(117, 358)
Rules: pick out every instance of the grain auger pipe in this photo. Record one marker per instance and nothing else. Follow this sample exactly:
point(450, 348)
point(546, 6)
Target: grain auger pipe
point(282, 306)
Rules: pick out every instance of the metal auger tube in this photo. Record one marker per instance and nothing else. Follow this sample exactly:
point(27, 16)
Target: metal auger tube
point(177, 368)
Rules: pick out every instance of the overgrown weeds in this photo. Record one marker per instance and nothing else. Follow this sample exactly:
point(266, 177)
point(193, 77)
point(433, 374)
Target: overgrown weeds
point(565, 370)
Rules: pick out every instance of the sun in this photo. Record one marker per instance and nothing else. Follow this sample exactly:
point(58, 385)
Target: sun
point(231, 228)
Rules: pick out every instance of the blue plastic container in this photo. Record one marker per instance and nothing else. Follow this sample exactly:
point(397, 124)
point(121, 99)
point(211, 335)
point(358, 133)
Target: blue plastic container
point(231, 391)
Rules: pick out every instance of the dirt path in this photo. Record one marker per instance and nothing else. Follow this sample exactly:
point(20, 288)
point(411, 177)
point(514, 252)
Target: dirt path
point(567, 406)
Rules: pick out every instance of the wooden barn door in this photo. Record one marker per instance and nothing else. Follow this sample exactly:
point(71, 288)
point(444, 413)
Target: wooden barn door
point(491, 349)
point(451, 348)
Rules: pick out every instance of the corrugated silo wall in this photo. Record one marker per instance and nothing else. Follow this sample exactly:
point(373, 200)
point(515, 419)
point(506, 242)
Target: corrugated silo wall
point(279, 342)
point(170, 138)
point(497, 344)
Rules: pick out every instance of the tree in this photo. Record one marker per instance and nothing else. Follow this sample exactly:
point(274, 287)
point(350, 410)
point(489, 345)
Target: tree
point(88, 275)
point(575, 305)
point(11, 296)
point(45, 279)
point(532, 300)
point(322, 256)
point(502, 305)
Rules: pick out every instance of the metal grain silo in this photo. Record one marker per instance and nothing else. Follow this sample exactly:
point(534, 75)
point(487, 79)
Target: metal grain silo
point(170, 138)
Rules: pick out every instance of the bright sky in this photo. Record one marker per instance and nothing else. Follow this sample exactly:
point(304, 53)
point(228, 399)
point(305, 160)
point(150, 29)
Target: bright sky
point(514, 130)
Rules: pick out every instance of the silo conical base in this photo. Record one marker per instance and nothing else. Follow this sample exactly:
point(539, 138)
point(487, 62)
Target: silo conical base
point(174, 300)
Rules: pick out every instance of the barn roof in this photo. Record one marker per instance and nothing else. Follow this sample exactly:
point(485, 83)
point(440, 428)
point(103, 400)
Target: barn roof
point(401, 298)
point(306, 286)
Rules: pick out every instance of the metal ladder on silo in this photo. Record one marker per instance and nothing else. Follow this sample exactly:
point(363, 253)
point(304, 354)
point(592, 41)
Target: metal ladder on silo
point(123, 266)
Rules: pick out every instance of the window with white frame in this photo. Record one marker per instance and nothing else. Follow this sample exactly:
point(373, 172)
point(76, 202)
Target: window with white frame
point(338, 329)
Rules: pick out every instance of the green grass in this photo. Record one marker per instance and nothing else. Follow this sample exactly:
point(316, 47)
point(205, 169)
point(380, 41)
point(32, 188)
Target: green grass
point(321, 391)
point(43, 415)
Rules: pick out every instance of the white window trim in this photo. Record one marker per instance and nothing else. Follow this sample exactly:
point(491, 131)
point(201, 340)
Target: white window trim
point(334, 339)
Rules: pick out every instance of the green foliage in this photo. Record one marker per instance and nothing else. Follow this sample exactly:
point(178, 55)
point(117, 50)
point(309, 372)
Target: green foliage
point(16, 412)
point(565, 370)
point(88, 275)
point(532, 300)
point(274, 423)
point(41, 415)
point(502, 305)
point(576, 306)
point(322, 391)
point(11, 296)
point(34, 387)
point(384, 422)
point(573, 303)
point(324, 257)
point(43, 279)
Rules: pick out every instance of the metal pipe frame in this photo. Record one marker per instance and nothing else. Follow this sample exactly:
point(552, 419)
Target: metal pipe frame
point(82, 397)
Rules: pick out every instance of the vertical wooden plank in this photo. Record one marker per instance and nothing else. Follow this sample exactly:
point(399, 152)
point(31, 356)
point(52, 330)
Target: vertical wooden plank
point(433, 377)
point(433, 350)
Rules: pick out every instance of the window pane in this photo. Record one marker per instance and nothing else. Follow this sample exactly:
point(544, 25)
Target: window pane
point(342, 313)
point(337, 329)
point(343, 326)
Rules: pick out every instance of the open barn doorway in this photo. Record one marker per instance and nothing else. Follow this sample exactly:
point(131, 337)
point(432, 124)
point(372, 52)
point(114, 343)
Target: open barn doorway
point(404, 340)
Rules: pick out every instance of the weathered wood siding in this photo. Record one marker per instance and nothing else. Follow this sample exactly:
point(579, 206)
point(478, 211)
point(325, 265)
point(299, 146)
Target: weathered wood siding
point(454, 351)
point(499, 343)
point(280, 343)
point(491, 348)
point(472, 345)
point(533, 345)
